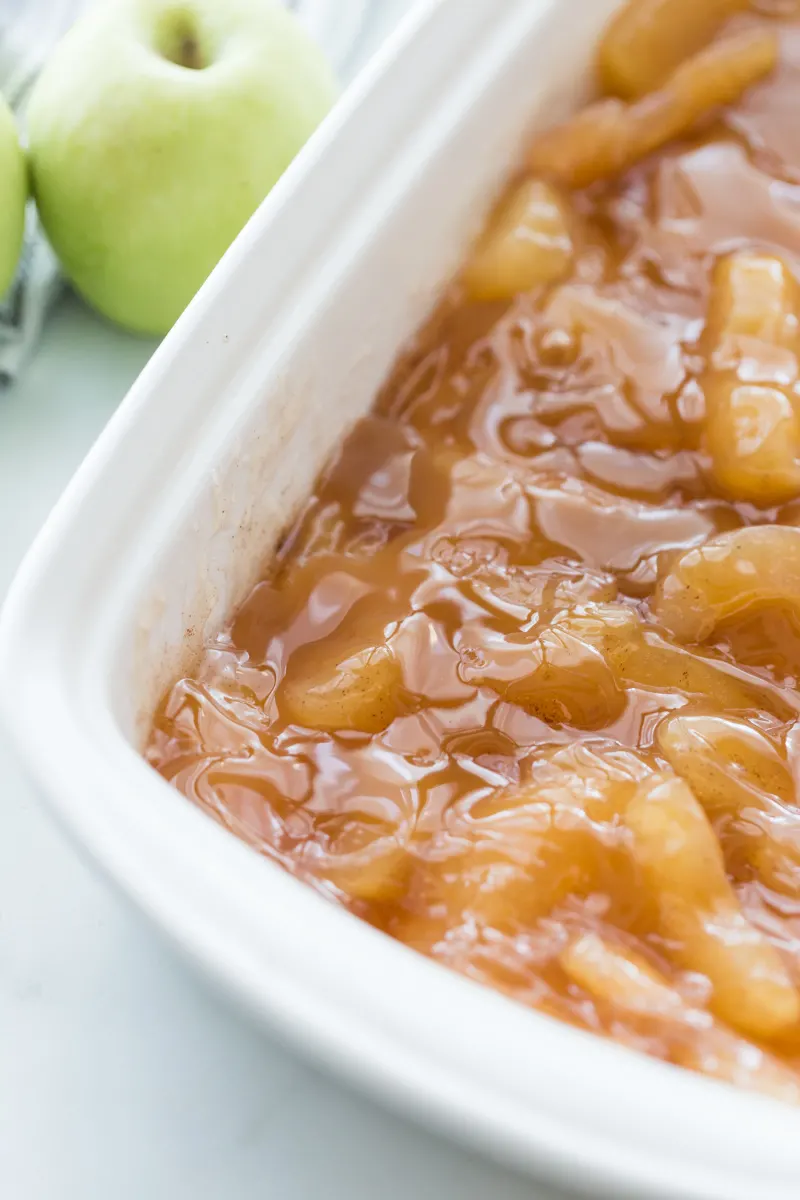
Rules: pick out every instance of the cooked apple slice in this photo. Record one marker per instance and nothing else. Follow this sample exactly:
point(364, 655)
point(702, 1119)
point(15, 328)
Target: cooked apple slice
point(528, 244)
point(681, 862)
point(608, 137)
point(648, 39)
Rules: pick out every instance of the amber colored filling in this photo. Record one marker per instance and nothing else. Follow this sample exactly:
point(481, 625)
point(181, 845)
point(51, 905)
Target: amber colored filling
point(521, 688)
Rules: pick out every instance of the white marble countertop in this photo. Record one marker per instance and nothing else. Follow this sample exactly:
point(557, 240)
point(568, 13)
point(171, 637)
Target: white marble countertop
point(121, 1077)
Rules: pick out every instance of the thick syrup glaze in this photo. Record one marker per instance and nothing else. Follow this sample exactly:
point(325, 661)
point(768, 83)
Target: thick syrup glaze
point(463, 702)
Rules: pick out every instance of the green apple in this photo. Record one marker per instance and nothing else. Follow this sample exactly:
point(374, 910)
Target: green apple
point(155, 131)
point(13, 196)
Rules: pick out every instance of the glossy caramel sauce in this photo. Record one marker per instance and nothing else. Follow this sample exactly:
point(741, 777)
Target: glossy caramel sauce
point(485, 697)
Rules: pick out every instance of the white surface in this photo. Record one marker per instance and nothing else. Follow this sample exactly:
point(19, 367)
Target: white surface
point(300, 321)
point(119, 1076)
point(515, 1084)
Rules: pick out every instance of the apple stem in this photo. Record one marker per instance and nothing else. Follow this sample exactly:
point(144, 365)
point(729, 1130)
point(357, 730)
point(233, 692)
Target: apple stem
point(189, 53)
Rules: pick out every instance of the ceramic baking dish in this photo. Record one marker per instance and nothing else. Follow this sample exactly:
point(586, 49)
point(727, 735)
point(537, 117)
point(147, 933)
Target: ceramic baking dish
point(170, 519)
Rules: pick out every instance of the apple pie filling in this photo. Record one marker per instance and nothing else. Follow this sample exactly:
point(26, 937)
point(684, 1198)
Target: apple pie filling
point(520, 688)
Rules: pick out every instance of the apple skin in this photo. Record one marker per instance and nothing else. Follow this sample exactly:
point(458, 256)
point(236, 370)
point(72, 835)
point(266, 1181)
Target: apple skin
point(145, 169)
point(13, 196)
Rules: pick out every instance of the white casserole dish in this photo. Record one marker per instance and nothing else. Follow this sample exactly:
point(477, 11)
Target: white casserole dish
point(169, 521)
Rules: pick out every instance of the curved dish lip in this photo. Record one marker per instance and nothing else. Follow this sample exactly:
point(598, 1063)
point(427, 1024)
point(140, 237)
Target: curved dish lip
point(506, 1091)
point(540, 1094)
